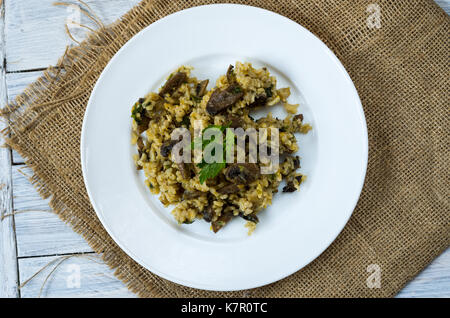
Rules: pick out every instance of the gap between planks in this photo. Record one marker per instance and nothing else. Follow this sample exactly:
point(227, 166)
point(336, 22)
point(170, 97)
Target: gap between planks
point(9, 275)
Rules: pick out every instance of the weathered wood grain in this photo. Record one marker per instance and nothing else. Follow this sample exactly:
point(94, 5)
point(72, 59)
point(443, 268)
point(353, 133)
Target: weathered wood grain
point(35, 29)
point(38, 230)
point(444, 4)
point(94, 277)
point(8, 261)
point(434, 281)
point(15, 85)
point(42, 233)
point(17, 82)
point(35, 34)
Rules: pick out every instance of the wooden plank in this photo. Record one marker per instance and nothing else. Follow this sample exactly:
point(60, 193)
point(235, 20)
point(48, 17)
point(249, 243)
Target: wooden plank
point(434, 281)
point(35, 33)
point(16, 158)
point(8, 261)
point(16, 83)
point(444, 4)
point(38, 230)
point(35, 29)
point(78, 276)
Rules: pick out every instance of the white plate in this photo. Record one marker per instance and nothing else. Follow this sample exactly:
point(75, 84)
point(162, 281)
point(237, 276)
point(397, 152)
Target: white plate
point(299, 226)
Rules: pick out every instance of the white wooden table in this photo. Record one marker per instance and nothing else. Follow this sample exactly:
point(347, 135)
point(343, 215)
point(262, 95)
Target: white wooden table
point(32, 37)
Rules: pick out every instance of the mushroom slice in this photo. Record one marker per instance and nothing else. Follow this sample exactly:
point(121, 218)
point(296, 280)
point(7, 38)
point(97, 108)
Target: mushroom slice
point(223, 99)
point(200, 89)
point(231, 77)
point(184, 169)
point(208, 213)
point(189, 195)
point(242, 173)
point(290, 187)
point(221, 222)
point(173, 83)
point(249, 217)
point(229, 189)
point(166, 147)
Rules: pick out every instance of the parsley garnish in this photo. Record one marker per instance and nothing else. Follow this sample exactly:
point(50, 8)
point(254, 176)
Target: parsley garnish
point(138, 108)
point(237, 90)
point(186, 121)
point(269, 91)
point(211, 170)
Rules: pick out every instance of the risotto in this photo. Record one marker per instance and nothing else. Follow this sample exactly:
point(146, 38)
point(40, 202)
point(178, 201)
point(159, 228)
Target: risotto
point(216, 192)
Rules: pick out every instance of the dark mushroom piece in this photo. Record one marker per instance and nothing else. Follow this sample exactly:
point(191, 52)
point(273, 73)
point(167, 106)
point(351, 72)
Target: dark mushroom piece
point(223, 99)
point(242, 173)
point(166, 147)
point(221, 222)
point(140, 145)
point(298, 117)
point(212, 182)
point(173, 83)
point(260, 100)
point(229, 189)
point(234, 121)
point(200, 89)
point(184, 169)
point(141, 148)
point(290, 187)
point(296, 162)
point(143, 124)
point(299, 179)
point(231, 77)
point(189, 195)
point(208, 213)
point(249, 217)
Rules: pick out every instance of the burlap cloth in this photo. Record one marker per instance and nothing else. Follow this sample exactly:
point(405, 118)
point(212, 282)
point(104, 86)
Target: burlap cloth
point(401, 72)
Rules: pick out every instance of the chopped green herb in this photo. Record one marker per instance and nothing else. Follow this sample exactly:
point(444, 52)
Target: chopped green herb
point(237, 90)
point(196, 98)
point(202, 164)
point(186, 121)
point(211, 170)
point(269, 91)
point(137, 112)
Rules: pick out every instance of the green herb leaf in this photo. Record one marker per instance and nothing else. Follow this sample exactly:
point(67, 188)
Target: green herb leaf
point(196, 98)
point(237, 90)
point(186, 121)
point(137, 109)
point(210, 171)
point(269, 91)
